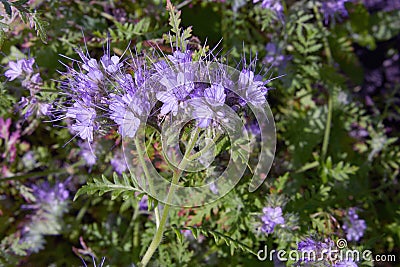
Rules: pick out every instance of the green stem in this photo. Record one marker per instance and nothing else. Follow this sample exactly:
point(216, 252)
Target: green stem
point(329, 57)
point(175, 179)
point(325, 143)
point(148, 177)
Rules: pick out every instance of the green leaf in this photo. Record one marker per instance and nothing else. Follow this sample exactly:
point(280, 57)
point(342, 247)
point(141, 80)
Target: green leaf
point(40, 27)
point(119, 186)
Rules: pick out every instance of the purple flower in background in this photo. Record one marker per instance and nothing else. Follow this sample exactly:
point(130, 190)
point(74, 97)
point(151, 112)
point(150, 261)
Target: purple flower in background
point(125, 111)
point(307, 245)
point(84, 120)
point(385, 5)
point(49, 207)
point(118, 163)
point(330, 8)
point(347, 263)
point(45, 194)
point(87, 152)
point(15, 70)
point(274, 56)
point(353, 226)
point(270, 218)
point(313, 250)
point(10, 140)
point(143, 206)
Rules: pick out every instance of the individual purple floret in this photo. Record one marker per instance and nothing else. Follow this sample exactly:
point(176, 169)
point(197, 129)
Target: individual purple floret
point(112, 64)
point(209, 108)
point(179, 57)
point(270, 218)
point(84, 120)
point(143, 206)
point(45, 194)
point(88, 153)
point(330, 9)
point(125, 111)
point(308, 244)
point(353, 226)
point(18, 68)
point(253, 87)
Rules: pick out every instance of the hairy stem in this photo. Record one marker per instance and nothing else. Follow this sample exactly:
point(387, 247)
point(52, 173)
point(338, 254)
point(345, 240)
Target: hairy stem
point(328, 53)
point(148, 177)
point(175, 178)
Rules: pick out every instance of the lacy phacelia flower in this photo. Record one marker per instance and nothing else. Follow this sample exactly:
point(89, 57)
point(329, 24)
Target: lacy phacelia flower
point(330, 9)
point(270, 218)
point(312, 250)
point(353, 226)
point(115, 92)
point(50, 205)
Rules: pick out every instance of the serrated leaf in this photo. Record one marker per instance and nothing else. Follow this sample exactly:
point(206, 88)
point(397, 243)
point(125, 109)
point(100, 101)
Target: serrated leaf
point(117, 187)
point(40, 27)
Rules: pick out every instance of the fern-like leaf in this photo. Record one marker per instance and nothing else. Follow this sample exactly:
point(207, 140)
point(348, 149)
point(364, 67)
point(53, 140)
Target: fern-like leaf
point(119, 186)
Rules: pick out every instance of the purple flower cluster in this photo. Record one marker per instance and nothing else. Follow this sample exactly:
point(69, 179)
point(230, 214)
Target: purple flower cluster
point(322, 252)
point(330, 9)
point(271, 217)
point(110, 91)
point(49, 207)
point(23, 70)
point(353, 226)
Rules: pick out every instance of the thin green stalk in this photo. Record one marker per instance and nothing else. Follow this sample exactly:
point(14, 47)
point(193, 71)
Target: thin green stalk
point(329, 57)
point(148, 177)
point(175, 178)
point(327, 133)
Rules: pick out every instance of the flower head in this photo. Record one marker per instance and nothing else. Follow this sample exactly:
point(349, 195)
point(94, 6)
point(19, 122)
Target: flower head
point(17, 68)
point(353, 226)
point(330, 9)
point(270, 218)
